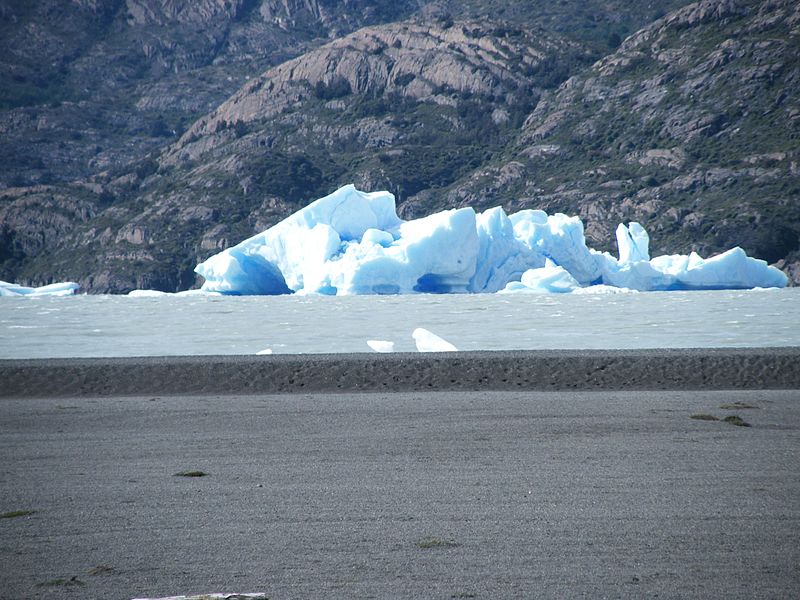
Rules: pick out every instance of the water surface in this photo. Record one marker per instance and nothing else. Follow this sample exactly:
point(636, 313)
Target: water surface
point(94, 326)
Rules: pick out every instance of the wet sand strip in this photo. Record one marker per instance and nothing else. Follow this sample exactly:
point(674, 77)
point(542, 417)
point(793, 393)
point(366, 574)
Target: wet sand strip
point(662, 369)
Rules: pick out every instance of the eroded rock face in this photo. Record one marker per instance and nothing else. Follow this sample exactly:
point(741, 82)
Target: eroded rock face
point(199, 12)
point(411, 60)
point(92, 85)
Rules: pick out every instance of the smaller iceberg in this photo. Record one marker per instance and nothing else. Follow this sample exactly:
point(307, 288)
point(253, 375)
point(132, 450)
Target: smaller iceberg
point(427, 341)
point(66, 288)
point(383, 346)
point(635, 269)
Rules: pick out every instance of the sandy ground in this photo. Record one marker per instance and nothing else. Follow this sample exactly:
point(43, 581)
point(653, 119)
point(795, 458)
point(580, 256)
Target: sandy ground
point(601, 494)
point(702, 369)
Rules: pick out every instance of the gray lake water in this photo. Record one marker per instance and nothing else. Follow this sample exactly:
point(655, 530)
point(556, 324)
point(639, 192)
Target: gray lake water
point(91, 326)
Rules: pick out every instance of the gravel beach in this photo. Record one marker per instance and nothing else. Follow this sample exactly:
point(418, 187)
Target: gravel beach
point(621, 492)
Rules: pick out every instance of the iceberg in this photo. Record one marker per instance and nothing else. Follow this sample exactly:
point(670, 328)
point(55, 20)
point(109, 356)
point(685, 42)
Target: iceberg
point(352, 242)
point(732, 269)
point(65, 288)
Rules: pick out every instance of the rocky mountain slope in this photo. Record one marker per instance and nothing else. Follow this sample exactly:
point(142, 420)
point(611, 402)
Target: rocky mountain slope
point(692, 127)
point(93, 84)
point(128, 160)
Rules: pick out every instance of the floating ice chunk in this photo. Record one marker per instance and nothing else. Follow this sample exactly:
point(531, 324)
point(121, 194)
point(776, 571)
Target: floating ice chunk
point(66, 288)
point(430, 342)
point(264, 352)
point(730, 270)
point(381, 345)
point(550, 279)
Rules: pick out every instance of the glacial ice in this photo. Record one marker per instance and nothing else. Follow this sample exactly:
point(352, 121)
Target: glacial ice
point(383, 346)
point(427, 341)
point(550, 279)
point(353, 242)
point(65, 288)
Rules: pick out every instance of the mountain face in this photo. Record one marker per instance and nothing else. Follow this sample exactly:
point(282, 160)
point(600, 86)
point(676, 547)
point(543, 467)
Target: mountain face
point(691, 127)
point(140, 136)
point(94, 84)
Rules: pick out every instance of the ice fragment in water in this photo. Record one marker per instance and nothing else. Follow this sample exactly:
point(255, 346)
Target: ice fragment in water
point(430, 342)
point(381, 345)
point(66, 288)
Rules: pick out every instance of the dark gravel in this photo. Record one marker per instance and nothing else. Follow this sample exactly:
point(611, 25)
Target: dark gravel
point(684, 369)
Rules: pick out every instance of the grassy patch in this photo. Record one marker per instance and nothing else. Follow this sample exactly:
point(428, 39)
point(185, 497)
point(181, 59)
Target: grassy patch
point(17, 513)
point(433, 542)
point(191, 474)
point(100, 570)
point(704, 417)
point(736, 420)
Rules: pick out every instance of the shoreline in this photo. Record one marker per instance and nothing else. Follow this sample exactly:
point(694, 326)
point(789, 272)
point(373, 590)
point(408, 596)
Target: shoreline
point(554, 370)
